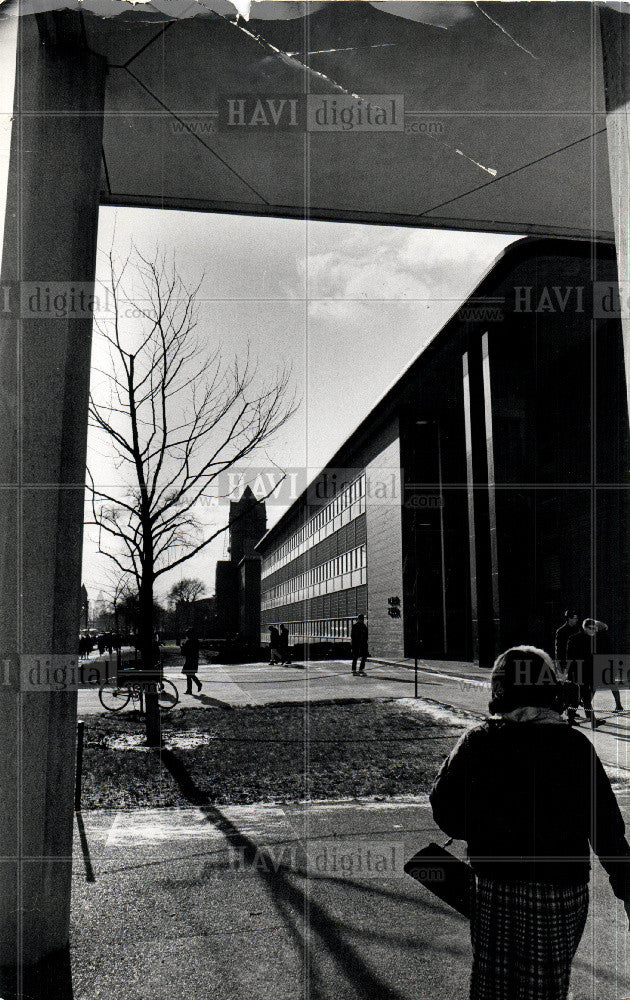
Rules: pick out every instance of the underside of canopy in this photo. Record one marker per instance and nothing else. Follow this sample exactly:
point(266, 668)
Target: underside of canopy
point(499, 116)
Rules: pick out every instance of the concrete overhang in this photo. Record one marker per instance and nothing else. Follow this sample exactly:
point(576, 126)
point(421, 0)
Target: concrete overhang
point(504, 124)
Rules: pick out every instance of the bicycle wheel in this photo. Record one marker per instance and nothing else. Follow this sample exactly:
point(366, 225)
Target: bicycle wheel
point(112, 695)
point(168, 695)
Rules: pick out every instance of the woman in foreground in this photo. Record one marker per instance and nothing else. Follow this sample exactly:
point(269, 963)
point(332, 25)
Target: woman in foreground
point(528, 794)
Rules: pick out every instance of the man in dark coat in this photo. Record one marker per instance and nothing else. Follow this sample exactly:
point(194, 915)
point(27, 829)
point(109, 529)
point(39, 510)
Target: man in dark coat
point(275, 656)
point(571, 691)
point(359, 640)
point(580, 650)
point(284, 644)
point(592, 639)
point(601, 646)
point(570, 627)
point(190, 649)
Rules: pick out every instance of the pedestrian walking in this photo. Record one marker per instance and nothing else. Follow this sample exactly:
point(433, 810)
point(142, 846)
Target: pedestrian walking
point(275, 656)
point(285, 652)
point(528, 793)
point(591, 640)
point(570, 628)
point(359, 640)
point(190, 649)
point(603, 647)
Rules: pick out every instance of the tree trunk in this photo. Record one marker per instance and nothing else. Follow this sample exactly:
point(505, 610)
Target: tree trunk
point(149, 666)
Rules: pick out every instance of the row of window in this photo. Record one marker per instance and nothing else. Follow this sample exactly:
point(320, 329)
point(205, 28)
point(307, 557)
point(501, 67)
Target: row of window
point(354, 578)
point(316, 630)
point(331, 572)
point(347, 505)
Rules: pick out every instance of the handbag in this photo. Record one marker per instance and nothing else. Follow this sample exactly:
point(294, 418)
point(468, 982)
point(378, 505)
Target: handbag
point(448, 878)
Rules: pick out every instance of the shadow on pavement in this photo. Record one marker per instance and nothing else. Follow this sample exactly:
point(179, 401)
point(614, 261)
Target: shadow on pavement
point(210, 702)
point(85, 848)
point(293, 904)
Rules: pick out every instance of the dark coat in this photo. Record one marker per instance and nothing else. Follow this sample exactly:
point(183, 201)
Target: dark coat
point(359, 638)
point(564, 633)
point(528, 797)
point(581, 649)
point(190, 649)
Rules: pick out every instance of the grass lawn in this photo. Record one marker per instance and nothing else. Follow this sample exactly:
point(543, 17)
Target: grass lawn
point(264, 753)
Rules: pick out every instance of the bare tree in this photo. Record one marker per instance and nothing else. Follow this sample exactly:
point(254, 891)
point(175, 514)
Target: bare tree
point(175, 417)
point(118, 592)
point(185, 591)
point(181, 598)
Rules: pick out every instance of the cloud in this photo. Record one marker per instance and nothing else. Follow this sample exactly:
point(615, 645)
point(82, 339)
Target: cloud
point(374, 263)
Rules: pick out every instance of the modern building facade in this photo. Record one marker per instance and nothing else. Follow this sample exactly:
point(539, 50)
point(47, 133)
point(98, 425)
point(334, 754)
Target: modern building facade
point(314, 577)
point(487, 490)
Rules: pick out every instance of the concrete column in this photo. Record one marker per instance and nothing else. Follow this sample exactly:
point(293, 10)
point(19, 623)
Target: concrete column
point(45, 329)
point(383, 519)
point(615, 35)
point(470, 492)
point(492, 497)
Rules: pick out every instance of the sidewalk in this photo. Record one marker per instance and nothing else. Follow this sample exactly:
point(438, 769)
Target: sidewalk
point(267, 902)
point(447, 668)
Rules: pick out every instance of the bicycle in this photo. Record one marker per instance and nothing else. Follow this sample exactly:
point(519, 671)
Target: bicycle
point(115, 693)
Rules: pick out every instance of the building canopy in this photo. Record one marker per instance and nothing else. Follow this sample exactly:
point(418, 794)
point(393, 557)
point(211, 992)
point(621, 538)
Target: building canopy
point(491, 114)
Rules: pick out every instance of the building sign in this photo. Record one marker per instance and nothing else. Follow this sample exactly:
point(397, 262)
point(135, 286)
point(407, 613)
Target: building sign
point(393, 607)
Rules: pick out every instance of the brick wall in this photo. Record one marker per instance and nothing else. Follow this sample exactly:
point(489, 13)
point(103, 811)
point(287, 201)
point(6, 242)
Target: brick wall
point(384, 547)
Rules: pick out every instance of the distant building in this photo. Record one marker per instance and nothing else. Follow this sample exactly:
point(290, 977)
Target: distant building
point(487, 490)
point(237, 584)
point(205, 616)
point(84, 618)
point(199, 615)
point(99, 611)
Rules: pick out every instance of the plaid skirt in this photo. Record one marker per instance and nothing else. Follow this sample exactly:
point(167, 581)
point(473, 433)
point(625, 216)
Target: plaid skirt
point(524, 936)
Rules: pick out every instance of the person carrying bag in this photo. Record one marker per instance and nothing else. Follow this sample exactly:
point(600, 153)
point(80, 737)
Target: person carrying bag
point(445, 875)
point(528, 794)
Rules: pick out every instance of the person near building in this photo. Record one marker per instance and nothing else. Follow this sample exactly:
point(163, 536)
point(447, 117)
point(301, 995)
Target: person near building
point(604, 648)
point(567, 630)
point(580, 650)
point(275, 656)
point(591, 640)
point(190, 649)
point(529, 794)
point(570, 626)
point(285, 652)
point(359, 641)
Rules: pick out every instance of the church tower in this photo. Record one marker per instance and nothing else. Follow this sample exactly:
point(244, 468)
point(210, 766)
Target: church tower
point(237, 583)
point(248, 523)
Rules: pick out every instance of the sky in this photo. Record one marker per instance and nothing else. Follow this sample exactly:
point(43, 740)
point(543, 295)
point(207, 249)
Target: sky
point(346, 307)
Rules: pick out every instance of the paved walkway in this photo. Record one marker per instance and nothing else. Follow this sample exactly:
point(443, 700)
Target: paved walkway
point(289, 901)
point(280, 902)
